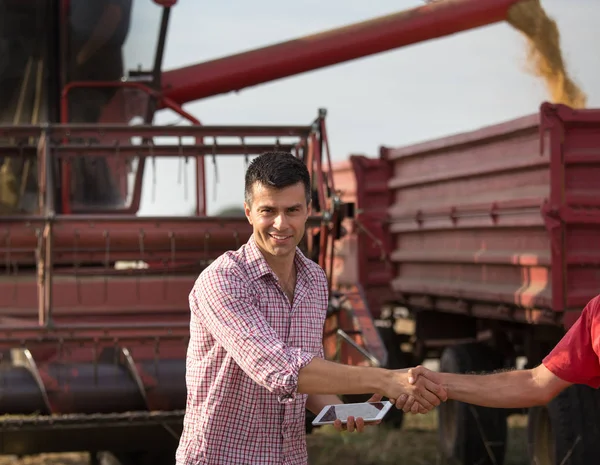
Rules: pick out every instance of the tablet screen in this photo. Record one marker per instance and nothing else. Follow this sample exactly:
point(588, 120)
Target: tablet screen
point(343, 411)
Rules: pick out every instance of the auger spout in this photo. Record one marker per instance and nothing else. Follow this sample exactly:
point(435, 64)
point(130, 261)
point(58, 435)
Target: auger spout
point(331, 47)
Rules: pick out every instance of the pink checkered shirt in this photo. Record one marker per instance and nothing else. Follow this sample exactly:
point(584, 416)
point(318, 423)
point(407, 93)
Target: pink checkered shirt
point(247, 345)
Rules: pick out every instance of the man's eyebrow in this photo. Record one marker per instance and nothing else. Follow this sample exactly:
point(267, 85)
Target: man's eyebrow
point(272, 207)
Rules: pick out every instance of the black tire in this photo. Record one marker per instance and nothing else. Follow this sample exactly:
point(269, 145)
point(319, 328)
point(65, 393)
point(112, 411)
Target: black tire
point(396, 360)
point(394, 418)
point(308, 419)
point(469, 434)
point(566, 431)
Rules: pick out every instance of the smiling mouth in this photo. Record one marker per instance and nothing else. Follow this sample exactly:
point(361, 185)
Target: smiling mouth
point(278, 237)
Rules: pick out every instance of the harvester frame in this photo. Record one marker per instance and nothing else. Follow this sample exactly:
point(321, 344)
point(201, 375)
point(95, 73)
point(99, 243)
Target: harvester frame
point(94, 320)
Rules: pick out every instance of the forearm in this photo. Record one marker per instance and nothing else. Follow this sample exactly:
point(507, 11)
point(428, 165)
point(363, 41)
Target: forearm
point(511, 389)
point(240, 328)
point(324, 377)
point(316, 402)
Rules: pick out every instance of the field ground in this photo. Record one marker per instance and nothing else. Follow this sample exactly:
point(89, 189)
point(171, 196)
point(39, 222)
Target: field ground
point(415, 444)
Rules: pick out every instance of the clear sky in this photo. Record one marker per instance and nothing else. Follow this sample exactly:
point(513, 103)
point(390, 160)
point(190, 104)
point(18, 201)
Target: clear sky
point(407, 95)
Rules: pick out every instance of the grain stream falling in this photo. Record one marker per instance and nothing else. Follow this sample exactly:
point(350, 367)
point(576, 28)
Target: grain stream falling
point(544, 56)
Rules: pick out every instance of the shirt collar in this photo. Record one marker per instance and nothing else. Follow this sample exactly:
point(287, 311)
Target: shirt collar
point(258, 266)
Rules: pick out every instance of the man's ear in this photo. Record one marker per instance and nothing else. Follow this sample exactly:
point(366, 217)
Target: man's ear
point(309, 208)
point(247, 209)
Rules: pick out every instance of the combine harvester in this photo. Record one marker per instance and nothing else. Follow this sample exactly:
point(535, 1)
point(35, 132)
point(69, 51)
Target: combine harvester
point(93, 355)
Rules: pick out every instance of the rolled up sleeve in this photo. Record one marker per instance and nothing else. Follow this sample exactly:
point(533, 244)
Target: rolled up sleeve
point(223, 303)
point(575, 358)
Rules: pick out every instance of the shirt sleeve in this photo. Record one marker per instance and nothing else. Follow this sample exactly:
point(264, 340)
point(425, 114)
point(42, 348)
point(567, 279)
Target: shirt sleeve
point(574, 359)
point(223, 304)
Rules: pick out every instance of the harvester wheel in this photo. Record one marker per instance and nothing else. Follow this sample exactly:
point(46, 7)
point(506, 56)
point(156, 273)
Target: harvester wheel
point(470, 434)
point(397, 359)
point(309, 418)
point(395, 417)
point(566, 431)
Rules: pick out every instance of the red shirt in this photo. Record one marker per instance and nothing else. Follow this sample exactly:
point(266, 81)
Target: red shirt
point(247, 345)
point(576, 358)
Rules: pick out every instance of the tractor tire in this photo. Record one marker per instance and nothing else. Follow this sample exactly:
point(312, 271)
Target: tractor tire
point(470, 434)
point(566, 431)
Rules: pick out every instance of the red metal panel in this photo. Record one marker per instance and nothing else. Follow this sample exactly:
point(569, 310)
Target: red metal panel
point(489, 217)
point(100, 298)
point(362, 255)
point(353, 322)
point(330, 47)
point(98, 239)
point(345, 261)
point(465, 217)
point(573, 139)
point(374, 244)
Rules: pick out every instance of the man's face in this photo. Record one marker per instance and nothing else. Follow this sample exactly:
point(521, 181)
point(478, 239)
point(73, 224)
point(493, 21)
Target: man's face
point(278, 217)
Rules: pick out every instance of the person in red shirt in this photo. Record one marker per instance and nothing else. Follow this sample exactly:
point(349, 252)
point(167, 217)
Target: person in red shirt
point(574, 360)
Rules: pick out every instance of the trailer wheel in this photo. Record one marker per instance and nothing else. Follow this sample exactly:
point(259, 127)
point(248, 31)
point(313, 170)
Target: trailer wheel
point(566, 431)
point(469, 434)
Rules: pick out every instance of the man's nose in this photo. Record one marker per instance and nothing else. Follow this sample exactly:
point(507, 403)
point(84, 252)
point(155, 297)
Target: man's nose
point(280, 221)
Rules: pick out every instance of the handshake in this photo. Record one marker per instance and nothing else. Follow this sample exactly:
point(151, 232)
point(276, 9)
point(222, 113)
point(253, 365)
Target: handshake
point(413, 390)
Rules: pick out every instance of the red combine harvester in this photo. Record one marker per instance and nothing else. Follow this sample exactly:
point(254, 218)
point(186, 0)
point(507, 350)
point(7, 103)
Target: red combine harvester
point(93, 353)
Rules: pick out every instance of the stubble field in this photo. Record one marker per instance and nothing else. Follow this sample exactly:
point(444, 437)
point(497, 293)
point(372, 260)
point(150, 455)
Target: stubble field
point(414, 444)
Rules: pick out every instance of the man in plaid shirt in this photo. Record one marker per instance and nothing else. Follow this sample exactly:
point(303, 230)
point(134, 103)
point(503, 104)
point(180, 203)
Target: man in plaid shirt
point(255, 357)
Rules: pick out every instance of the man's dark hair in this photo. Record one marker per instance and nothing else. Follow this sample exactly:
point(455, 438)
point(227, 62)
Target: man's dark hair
point(278, 170)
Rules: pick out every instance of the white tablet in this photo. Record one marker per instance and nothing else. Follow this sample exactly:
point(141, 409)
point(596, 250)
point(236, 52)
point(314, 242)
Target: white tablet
point(368, 411)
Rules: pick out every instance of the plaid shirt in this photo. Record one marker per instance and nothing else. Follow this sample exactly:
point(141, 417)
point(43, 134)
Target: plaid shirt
point(247, 345)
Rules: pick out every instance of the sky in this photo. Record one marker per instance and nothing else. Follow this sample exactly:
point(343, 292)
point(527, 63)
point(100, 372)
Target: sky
point(408, 95)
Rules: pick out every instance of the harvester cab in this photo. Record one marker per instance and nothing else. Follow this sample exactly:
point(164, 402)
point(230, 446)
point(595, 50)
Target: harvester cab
point(71, 62)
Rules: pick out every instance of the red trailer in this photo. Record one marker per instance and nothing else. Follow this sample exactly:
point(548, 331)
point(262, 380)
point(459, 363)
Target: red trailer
point(489, 242)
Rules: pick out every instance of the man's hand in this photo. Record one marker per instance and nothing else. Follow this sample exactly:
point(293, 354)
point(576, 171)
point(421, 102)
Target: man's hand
point(415, 394)
point(418, 371)
point(423, 379)
point(357, 423)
